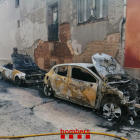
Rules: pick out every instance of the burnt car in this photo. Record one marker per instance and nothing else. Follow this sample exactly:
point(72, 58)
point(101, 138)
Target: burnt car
point(102, 85)
point(22, 71)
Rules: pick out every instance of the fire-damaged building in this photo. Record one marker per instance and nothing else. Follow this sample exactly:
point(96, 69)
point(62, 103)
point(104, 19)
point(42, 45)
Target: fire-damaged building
point(63, 31)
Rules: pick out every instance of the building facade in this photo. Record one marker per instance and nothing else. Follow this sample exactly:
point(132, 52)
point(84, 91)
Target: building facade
point(63, 31)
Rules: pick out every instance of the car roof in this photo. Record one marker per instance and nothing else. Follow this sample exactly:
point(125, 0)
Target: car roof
point(77, 64)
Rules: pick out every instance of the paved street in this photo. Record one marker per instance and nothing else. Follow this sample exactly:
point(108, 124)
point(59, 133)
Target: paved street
point(26, 111)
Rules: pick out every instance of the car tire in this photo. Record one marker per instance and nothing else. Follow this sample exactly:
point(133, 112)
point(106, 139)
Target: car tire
point(48, 90)
point(18, 82)
point(112, 110)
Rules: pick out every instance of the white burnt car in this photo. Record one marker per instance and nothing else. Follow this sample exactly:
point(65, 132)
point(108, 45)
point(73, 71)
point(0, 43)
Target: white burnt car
point(101, 85)
point(22, 71)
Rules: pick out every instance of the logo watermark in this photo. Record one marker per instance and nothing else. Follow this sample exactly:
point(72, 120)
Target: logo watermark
point(76, 131)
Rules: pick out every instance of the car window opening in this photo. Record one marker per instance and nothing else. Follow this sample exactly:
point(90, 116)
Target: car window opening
point(82, 75)
point(62, 71)
point(9, 66)
point(94, 70)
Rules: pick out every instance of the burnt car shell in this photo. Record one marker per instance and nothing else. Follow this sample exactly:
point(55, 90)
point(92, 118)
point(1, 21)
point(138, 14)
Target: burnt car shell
point(102, 85)
point(25, 64)
point(114, 75)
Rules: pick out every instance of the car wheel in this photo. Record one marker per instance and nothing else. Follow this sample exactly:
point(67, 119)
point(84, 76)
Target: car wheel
point(47, 90)
point(112, 110)
point(18, 82)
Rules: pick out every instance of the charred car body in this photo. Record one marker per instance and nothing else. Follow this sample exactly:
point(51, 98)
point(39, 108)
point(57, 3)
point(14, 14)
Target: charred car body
point(101, 85)
point(22, 71)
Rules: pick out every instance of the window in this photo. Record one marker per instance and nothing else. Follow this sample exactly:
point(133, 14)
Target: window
point(61, 71)
point(17, 3)
point(53, 27)
point(18, 23)
point(94, 8)
point(82, 75)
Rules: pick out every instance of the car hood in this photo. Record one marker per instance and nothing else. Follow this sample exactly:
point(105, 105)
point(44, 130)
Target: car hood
point(106, 65)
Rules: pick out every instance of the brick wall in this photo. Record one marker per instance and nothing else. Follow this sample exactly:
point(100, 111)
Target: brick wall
point(108, 46)
point(56, 52)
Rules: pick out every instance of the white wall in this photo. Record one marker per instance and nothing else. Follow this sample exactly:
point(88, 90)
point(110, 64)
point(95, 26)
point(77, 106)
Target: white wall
point(8, 27)
point(32, 16)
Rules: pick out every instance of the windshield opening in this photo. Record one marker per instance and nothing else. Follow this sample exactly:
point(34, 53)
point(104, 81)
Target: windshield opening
point(21, 61)
point(94, 70)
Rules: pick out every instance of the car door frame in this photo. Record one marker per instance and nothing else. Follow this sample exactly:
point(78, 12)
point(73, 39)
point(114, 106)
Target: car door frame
point(97, 84)
point(62, 95)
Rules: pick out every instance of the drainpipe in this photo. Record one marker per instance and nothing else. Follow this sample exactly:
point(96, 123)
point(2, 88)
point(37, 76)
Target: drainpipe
point(123, 29)
point(124, 20)
point(125, 4)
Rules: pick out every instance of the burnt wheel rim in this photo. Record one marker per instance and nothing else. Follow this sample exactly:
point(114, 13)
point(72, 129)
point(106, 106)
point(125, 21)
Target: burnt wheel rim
point(47, 90)
point(112, 110)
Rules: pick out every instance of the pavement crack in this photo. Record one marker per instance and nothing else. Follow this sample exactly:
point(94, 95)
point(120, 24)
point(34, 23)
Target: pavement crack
point(32, 108)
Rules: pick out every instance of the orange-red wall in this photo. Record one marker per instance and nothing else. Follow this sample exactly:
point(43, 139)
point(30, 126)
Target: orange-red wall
point(132, 46)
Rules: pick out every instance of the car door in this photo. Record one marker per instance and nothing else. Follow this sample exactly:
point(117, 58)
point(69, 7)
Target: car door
point(59, 81)
point(9, 73)
point(82, 87)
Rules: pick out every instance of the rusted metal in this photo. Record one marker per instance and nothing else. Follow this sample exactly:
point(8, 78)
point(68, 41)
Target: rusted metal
point(115, 86)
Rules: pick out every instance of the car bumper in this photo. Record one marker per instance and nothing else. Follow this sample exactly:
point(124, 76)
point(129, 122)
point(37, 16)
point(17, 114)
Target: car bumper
point(133, 107)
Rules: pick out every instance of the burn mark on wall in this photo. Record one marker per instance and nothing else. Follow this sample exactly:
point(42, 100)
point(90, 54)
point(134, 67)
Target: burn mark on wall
point(57, 51)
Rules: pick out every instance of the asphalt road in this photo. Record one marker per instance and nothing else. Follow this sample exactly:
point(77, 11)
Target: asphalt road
point(25, 110)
